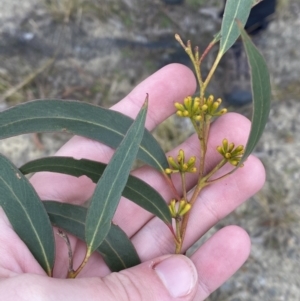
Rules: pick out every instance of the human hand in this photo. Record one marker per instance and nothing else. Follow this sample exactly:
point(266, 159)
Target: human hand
point(161, 276)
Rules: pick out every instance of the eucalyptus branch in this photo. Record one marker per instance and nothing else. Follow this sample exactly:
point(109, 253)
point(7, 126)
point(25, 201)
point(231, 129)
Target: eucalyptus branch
point(130, 139)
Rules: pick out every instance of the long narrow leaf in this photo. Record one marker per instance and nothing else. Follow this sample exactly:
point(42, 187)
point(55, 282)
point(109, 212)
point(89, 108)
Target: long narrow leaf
point(135, 190)
point(109, 189)
point(78, 118)
point(234, 9)
point(26, 213)
point(116, 249)
point(261, 92)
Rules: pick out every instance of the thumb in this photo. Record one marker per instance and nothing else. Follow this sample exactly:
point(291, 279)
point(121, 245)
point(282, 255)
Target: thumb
point(169, 278)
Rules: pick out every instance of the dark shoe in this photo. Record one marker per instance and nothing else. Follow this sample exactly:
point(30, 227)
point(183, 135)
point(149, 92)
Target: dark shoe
point(260, 16)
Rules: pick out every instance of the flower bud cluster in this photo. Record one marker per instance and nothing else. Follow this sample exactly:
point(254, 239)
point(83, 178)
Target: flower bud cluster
point(179, 164)
point(230, 153)
point(190, 108)
point(212, 106)
point(180, 208)
point(193, 109)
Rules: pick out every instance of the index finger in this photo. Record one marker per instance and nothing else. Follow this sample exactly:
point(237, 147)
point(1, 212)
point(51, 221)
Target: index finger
point(165, 87)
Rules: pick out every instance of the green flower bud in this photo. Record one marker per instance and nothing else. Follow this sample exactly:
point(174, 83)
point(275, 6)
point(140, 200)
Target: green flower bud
point(185, 209)
point(179, 106)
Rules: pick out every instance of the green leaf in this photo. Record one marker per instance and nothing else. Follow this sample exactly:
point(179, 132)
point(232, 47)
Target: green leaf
point(109, 189)
point(234, 9)
point(261, 92)
point(83, 119)
point(26, 213)
point(135, 190)
point(116, 249)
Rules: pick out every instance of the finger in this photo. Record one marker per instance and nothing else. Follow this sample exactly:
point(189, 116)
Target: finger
point(165, 87)
point(219, 258)
point(170, 84)
point(168, 278)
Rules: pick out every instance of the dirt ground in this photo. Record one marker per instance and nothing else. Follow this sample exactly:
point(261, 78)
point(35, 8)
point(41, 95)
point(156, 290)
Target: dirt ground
point(102, 51)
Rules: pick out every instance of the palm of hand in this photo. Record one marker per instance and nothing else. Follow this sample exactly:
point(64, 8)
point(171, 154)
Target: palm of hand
point(216, 260)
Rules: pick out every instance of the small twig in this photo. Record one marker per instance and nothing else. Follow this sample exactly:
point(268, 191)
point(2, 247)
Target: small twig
point(27, 80)
point(65, 237)
point(183, 183)
point(207, 50)
point(73, 274)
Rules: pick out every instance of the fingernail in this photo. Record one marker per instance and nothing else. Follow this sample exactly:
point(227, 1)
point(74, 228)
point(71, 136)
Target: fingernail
point(178, 275)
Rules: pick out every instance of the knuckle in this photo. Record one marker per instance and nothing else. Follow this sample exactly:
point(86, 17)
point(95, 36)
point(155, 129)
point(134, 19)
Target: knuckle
point(125, 286)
